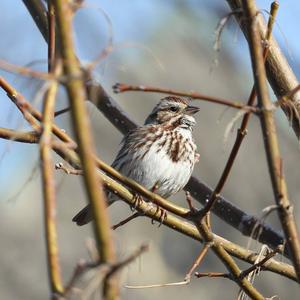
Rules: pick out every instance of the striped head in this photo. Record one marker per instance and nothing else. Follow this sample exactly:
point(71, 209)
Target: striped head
point(168, 108)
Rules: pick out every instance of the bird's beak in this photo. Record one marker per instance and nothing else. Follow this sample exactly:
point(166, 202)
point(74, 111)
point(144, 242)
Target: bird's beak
point(191, 110)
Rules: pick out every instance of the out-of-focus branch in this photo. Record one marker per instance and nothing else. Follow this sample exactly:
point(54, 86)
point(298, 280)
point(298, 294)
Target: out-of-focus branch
point(52, 36)
point(30, 137)
point(285, 210)
point(48, 188)
point(77, 96)
point(280, 75)
point(28, 110)
point(108, 269)
point(39, 14)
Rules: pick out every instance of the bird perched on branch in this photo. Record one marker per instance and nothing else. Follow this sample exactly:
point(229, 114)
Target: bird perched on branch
point(160, 155)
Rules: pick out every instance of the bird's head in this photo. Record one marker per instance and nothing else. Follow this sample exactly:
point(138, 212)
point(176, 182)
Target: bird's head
point(170, 107)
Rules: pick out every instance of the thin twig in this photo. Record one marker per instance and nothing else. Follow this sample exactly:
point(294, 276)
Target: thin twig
point(212, 275)
point(185, 281)
point(109, 270)
point(203, 226)
point(123, 222)
point(261, 262)
point(67, 170)
point(197, 262)
point(122, 87)
point(16, 69)
point(29, 112)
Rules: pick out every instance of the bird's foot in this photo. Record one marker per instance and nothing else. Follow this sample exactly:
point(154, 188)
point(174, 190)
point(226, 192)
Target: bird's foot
point(162, 215)
point(137, 201)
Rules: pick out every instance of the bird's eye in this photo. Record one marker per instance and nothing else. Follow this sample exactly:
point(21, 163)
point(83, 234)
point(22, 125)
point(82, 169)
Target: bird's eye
point(174, 108)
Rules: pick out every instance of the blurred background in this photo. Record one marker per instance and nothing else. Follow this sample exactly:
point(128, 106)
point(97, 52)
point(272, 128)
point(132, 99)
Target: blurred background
point(160, 43)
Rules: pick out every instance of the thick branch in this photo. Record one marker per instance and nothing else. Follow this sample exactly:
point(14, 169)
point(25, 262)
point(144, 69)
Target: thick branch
point(270, 137)
point(77, 96)
point(280, 75)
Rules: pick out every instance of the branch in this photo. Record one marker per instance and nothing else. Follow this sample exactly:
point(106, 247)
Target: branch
point(109, 270)
point(39, 15)
point(260, 264)
point(48, 188)
point(270, 137)
point(76, 92)
point(280, 75)
point(30, 137)
point(121, 88)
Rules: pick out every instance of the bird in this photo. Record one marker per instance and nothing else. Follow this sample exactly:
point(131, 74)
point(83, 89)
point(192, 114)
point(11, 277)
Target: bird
point(160, 155)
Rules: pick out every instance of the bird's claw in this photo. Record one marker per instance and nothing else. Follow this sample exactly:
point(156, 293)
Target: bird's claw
point(162, 217)
point(137, 201)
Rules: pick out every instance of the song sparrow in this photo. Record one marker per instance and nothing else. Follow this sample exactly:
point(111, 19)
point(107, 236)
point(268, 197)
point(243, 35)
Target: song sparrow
point(159, 155)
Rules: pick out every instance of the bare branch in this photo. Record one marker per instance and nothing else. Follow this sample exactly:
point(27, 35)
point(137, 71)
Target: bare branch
point(121, 88)
point(48, 188)
point(270, 137)
point(280, 75)
point(76, 92)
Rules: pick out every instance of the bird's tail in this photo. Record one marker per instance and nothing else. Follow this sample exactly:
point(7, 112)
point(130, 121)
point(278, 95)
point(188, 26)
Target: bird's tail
point(85, 215)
